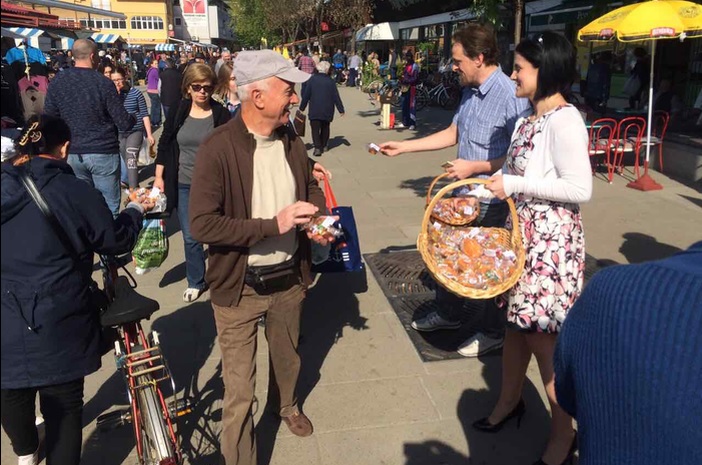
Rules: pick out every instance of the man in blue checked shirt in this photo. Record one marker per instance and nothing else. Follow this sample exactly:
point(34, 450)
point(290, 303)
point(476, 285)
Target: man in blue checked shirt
point(482, 129)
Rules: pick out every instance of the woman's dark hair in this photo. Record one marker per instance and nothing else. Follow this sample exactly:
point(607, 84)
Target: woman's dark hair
point(42, 135)
point(409, 58)
point(101, 67)
point(123, 72)
point(554, 57)
point(478, 38)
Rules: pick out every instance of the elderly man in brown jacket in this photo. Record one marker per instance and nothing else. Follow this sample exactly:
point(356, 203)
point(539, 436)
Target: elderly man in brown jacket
point(252, 188)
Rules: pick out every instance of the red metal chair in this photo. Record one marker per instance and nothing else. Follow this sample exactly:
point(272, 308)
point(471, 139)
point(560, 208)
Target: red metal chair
point(658, 128)
point(600, 146)
point(630, 132)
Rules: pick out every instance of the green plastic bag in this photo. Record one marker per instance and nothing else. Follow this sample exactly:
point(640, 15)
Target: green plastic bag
point(151, 248)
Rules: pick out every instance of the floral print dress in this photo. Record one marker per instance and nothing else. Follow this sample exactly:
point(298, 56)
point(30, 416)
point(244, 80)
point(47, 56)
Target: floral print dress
point(554, 242)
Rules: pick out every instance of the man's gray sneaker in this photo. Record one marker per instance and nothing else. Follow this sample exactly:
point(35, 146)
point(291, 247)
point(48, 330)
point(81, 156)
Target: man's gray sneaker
point(433, 322)
point(479, 344)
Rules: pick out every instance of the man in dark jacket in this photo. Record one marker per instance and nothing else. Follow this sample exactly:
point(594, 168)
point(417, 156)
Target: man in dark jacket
point(252, 186)
point(322, 95)
point(170, 84)
point(89, 103)
point(50, 327)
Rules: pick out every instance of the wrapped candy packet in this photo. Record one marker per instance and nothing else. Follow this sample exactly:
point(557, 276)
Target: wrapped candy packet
point(323, 226)
point(154, 195)
point(474, 257)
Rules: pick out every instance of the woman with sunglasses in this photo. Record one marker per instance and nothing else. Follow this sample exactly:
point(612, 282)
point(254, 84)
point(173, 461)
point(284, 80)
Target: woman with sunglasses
point(186, 127)
point(548, 174)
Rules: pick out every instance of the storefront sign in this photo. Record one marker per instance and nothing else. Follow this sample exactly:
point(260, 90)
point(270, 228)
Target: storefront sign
point(195, 18)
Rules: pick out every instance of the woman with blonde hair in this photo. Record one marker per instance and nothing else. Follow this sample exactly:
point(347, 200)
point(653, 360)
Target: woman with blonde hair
point(186, 127)
point(225, 92)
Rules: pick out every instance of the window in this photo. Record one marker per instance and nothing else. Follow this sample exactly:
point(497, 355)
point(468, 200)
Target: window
point(178, 21)
point(147, 22)
point(410, 34)
point(101, 4)
point(103, 23)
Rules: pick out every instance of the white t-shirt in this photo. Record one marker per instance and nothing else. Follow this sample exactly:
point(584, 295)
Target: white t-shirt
point(273, 189)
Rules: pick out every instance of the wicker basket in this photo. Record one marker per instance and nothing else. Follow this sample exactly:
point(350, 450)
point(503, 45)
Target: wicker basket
point(463, 221)
point(511, 239)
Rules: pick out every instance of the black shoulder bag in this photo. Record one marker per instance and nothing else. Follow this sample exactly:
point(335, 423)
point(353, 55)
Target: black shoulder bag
point(97, 296)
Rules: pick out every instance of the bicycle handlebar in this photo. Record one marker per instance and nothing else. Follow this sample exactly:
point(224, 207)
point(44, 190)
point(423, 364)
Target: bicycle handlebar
point(157, 215)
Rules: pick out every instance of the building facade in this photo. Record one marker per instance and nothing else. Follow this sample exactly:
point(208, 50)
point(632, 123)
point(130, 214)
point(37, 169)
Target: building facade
point(147, 23)
point(198, 21)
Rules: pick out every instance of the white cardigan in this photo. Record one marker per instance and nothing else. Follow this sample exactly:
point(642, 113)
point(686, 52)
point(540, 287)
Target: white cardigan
point(559, 165)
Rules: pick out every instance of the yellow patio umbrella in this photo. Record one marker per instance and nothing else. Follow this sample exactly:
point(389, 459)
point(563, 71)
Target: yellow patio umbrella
point(652, 20)
point(286, 54)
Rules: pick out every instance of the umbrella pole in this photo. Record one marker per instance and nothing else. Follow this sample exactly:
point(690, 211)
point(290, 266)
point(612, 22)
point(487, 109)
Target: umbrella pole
point(646, 182)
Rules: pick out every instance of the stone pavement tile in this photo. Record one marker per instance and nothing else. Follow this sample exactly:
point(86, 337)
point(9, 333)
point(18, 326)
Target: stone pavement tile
point(419, 443)
point(446, 442)
point(377, 358)
point(411, 230)
point(289, 450)
point(479, 383)
point(376, 237)
point(369, 404)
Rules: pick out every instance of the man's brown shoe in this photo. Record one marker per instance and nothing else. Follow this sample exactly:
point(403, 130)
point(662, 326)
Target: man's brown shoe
point(299, 424)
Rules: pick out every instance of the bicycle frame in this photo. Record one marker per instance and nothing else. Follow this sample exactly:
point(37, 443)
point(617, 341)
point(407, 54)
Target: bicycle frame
point(144, 368)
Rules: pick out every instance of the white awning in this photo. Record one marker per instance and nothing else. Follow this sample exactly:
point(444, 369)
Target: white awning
point(10, 34)
point(105, 38)
point(27, 32)
point(382, 31)
point(165, 47)
point(198, 44)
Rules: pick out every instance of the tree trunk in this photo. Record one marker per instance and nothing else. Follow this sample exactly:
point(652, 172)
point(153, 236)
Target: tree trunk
point(518, 14)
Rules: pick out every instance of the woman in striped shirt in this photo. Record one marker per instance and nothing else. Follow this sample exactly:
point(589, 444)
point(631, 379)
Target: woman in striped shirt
point(130, 141)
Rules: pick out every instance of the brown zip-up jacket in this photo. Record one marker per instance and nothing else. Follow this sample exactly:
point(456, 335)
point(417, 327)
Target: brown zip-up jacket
point(220, 205)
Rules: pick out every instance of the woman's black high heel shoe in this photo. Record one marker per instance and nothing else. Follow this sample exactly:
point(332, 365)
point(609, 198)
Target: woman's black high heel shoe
point(569, 458)
point(484, 424)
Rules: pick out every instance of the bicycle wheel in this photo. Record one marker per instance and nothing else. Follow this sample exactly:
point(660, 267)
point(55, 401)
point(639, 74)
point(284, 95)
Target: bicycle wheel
point(374, 89)
point(157, 446)
point(422, 98)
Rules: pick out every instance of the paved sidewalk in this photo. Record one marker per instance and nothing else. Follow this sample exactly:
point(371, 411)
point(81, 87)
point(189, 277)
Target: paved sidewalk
point(371, 399)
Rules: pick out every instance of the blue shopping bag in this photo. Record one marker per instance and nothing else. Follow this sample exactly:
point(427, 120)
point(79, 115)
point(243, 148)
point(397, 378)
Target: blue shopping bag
point(345, 252)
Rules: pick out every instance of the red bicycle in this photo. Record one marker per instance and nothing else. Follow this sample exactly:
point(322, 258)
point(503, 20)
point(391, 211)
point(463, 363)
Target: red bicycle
point(138, 357)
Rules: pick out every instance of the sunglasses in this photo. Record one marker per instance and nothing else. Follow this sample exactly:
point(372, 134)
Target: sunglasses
point(198, 88)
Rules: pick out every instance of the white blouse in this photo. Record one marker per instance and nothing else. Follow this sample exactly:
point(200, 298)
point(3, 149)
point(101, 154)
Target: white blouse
point(558, 168)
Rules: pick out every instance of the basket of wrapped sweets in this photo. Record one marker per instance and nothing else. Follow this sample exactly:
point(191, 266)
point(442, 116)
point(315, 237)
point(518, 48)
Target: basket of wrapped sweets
point(457, 211)
point(473, 262)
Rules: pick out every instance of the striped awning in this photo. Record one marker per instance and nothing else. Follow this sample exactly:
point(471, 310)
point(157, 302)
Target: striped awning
point(165, 47)
point(27, 32)
point(105, 38)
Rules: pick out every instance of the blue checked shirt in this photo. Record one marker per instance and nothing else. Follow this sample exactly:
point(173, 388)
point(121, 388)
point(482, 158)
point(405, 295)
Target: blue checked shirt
point(486, 118)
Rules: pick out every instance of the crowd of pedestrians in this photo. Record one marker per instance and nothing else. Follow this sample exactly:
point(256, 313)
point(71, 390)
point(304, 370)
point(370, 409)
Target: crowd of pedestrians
point(237, 173)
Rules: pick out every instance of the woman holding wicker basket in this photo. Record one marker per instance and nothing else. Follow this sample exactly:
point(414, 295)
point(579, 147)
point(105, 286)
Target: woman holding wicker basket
point(547, 173)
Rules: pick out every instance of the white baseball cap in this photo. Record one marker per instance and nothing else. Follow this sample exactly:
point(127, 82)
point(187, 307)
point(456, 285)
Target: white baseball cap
point(256, 65)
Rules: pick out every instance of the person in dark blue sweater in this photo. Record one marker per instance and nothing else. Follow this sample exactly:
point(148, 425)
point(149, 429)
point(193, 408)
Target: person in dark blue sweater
point(89, 103)
point(629, 363)
point(322, 95)
point(50, 325)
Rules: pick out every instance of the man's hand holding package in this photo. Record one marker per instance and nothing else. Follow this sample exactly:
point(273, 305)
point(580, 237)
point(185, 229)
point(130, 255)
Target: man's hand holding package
point(392, 148)
point(294, 215)
point(323, 238)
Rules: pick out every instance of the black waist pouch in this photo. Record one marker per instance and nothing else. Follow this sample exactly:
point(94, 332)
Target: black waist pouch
point(266, 280)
